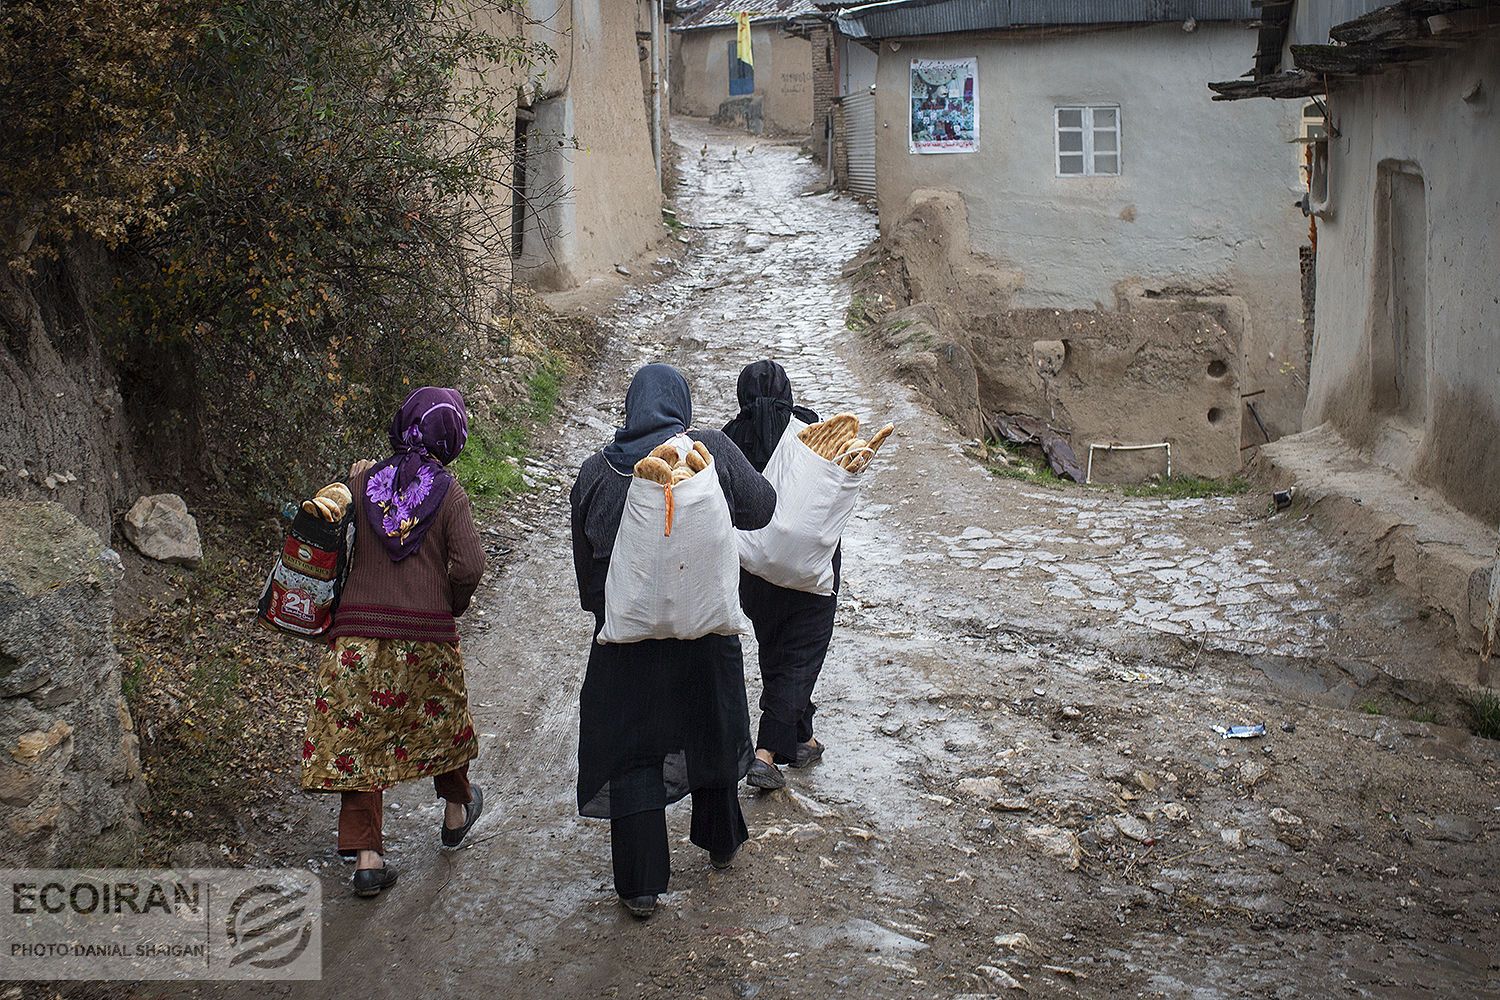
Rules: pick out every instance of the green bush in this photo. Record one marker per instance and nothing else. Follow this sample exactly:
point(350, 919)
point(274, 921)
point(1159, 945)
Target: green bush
point(308, 199)
point(1484, 714)
point(490, 466)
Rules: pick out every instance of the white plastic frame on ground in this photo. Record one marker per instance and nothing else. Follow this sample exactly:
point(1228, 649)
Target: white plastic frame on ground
point(1088, 474)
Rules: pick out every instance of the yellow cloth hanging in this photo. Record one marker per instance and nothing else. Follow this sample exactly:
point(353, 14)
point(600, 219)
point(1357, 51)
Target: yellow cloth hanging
point(742, 39)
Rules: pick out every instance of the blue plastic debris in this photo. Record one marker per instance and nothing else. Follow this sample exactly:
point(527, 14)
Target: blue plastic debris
point(1241, 732)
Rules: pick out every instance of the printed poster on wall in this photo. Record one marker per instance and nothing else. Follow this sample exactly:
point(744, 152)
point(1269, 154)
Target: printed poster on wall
point(944, 110)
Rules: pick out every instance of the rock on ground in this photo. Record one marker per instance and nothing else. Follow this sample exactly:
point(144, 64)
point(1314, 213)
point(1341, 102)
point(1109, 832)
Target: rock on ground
point(1057, 842)
point(162, 529)
point(70, 775)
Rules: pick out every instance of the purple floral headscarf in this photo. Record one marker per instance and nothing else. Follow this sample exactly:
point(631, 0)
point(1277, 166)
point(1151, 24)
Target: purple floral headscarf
point(404, 493)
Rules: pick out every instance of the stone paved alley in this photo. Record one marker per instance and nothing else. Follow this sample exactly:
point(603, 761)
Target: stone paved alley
point(1023, 789)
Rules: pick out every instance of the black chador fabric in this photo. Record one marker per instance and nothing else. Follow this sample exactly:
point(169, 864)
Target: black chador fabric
point(792, 628)
point(792, 633)
point(660, 718)
point(766, 407)
point(638, 843)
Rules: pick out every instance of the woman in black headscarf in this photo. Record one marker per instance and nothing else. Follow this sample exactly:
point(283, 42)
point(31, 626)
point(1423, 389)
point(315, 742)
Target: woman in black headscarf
point(662, 718)
point(792, 628)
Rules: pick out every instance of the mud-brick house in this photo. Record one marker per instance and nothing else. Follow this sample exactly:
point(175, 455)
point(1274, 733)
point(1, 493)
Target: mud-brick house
point(1117, 254)
point(773, 93)
point(1404, 402)
point(590, 126)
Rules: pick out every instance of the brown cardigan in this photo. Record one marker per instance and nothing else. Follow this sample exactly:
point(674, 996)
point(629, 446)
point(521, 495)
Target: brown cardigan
point(419, 597)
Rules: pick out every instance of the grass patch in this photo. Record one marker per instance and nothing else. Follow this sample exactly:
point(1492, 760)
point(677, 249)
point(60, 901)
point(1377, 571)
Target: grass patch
point(857, 317)
point(1427, 715)
point(490, 466)
point(1020, 466)
point(132, 675)
point(1371, 707)
point(215, 701)
point(1187, 488)
point(1028, 465)
point(1484, 714)
point(670, 220)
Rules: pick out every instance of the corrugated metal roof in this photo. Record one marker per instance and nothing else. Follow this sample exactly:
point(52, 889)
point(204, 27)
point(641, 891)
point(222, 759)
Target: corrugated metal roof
point(910, 18)
point(720, 13)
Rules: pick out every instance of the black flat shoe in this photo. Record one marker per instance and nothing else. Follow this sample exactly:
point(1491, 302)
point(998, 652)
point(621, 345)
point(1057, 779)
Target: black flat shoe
point(763, 775)
point(808, 755)
point(472, 809)
point(370, 881)
point(639, 907)
point(723, 861)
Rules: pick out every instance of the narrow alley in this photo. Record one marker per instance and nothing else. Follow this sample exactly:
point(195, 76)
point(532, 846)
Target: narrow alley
point(1024, 788)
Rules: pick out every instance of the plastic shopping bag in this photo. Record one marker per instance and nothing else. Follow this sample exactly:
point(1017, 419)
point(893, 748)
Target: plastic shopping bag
point(674, 572)
point(814, 499)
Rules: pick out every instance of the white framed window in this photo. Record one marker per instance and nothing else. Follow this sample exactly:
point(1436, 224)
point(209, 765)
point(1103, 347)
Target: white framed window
point(1088, 140)
point(1313, 125)
point(1313, 131)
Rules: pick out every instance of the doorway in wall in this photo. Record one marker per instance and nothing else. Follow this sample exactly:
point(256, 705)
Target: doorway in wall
point(741, 74)
point(1399, 333)
point(524, 118)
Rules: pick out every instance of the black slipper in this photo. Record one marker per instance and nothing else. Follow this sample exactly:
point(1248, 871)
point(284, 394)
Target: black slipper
point(639, 907)
point(472, 809)
point(808, 755)
point(763, 775)
point(370, 881)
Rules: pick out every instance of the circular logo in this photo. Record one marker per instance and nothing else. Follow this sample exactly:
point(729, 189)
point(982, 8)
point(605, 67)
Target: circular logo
point(268, 926)
point(304, 553)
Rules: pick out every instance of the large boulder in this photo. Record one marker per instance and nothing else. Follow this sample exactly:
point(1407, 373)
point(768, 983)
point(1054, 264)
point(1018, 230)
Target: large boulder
point(161, 528)
point(70, 774)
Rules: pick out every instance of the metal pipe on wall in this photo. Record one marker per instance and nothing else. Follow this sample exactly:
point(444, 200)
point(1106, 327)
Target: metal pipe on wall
point(657, 15)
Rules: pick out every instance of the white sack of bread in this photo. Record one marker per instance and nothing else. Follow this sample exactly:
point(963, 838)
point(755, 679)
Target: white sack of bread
point(814, 499)
point(674, 572)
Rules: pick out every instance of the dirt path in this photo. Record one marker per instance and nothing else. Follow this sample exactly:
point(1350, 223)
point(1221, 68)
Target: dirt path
point(1022, 786)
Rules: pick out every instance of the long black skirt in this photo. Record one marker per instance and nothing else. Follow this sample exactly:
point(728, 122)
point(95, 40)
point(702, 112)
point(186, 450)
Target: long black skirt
point(792, 630)
point(659, 719)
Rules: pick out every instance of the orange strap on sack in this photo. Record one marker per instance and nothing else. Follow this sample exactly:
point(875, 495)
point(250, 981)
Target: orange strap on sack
point(668, 488)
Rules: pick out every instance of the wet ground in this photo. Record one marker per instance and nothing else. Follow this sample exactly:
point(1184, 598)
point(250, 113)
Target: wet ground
point(1023, 788)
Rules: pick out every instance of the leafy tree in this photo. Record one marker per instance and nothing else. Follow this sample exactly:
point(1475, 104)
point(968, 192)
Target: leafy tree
point(309, 199)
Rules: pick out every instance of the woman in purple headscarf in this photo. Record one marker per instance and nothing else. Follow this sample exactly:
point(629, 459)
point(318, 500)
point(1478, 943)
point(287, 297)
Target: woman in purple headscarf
point(390, 702)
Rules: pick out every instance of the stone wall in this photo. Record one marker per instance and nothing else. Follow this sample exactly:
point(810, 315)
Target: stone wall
point(70, 776)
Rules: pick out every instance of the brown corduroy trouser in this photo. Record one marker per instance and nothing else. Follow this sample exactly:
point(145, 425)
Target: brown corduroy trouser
point(360, 812)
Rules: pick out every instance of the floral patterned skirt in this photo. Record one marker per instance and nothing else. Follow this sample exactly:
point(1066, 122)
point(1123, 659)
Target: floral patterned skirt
point(386, 710)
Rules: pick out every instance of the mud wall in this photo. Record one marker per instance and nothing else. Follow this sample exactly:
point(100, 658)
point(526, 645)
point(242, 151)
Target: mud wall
point(1153, 369)
point(1203, 204)
point(1153, 372)
point(1431, 127)
point(591, 164)
point(783, 77)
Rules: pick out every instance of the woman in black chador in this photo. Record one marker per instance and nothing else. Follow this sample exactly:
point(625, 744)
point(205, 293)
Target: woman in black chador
point(792, 628)
point(662, 718)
